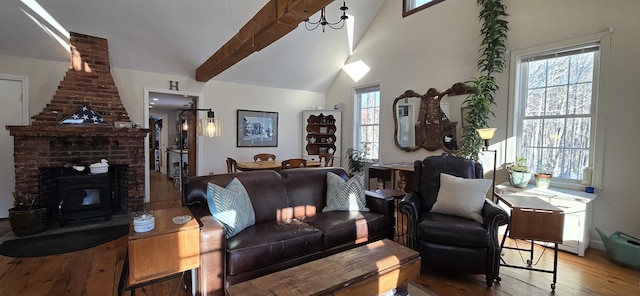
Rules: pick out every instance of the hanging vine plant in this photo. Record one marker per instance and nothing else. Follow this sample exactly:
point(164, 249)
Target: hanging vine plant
point(492, 60)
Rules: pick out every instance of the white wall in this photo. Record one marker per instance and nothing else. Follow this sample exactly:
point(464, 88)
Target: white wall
point(438, 46)
point(223, 97)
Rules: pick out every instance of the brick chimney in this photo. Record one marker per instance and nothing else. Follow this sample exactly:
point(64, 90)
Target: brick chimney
point(47, 144)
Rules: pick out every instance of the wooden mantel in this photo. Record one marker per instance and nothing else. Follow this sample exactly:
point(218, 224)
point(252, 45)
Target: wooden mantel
point(275, 20)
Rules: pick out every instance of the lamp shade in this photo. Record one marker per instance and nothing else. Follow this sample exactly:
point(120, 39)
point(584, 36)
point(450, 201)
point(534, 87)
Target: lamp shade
point(210, 127)
point(486, 133)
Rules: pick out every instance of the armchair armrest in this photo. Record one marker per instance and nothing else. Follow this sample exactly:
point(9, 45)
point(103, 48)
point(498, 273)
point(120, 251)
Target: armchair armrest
point(210, 274)
point(494, 216)
point(378, 203)
point(411, 205)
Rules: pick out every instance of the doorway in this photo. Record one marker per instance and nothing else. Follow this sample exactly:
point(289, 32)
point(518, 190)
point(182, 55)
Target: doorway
point(15, 111)
point(162, 113)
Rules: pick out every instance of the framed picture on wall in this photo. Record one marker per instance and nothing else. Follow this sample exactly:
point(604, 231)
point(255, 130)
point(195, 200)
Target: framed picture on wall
point(257, 128)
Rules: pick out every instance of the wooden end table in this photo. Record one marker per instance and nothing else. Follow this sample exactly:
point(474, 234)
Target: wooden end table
point(165, 252)
point(398, 195)
point(535, 220)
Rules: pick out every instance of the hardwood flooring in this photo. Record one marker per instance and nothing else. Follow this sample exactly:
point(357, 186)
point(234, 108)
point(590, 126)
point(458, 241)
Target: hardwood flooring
point(96, 271)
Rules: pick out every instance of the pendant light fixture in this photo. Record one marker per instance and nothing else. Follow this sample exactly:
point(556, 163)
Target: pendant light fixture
point(323, 20)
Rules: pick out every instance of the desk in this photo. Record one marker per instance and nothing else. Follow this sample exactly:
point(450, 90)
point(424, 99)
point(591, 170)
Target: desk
point(162, 253)
point(268, 165)
point(535, 220)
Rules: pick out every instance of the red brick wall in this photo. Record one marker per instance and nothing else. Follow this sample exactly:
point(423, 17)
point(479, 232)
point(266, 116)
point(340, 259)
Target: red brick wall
point(45, 143)
point(87, 82)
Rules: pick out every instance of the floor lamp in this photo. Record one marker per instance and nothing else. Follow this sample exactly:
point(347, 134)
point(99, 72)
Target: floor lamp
point(487, 134)
point(208, 127)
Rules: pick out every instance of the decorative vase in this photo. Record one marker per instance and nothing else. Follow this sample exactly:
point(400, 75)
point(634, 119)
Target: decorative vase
point(519, 179)
point(542, 180)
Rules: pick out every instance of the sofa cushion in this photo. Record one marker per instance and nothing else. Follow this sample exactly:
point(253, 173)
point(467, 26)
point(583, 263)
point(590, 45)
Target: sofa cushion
point(307, 188)
point(268, 243)
point(461, 197)
point(452, 231)
point(231, 206)
point(265, 188)
point(338, 227)
point(345, 195)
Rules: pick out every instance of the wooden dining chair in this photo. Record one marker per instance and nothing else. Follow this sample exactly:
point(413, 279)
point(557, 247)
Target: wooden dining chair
point(326, 159)
point(264, 157)
point(293, 163)
point(232, 165)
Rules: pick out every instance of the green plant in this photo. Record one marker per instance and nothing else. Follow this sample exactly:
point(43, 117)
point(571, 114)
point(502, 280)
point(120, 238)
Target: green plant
point(356, 158)
point(520, 165)
point(477, 108)
point(482, 89)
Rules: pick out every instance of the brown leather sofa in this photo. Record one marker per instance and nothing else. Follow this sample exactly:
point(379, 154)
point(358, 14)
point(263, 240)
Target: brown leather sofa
point(290, 227)
point(450, 242)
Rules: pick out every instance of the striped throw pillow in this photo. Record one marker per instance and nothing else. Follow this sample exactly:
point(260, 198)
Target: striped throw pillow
point(231, 206)
point(345, 195)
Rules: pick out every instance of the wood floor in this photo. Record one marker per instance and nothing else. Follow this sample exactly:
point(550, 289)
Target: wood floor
point(96, 271)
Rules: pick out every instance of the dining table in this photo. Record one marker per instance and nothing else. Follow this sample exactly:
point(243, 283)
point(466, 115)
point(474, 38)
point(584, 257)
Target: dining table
point(268, 165)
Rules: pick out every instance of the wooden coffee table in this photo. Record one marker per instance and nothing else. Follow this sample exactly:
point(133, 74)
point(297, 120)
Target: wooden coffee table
point(366, 270)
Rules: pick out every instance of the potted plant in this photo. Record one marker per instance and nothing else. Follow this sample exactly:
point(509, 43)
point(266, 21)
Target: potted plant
point(356, 158)
point(543, 178)
point(477, 106)
point(26, 217)
point(519, 173)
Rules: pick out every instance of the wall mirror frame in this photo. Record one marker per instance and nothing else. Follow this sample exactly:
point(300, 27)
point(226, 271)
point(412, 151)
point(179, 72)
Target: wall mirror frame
point(420, 122)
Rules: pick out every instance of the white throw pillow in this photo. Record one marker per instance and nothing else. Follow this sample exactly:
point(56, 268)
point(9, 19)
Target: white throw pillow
point(345, 195)
point(461, 197)
point(231, 206)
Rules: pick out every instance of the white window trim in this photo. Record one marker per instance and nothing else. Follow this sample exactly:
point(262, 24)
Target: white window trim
point(356, 116)
point(598, 136)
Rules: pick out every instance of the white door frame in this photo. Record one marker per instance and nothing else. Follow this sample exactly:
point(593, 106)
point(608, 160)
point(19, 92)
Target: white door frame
point(24, 120)
point(145, 108)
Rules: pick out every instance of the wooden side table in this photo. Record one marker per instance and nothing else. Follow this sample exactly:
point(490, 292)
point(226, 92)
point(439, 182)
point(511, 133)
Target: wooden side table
point(535, 220)
point(397, 195)
point(162, 253)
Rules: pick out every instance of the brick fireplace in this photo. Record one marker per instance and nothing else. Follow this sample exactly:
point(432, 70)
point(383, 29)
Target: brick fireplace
point(47, 145)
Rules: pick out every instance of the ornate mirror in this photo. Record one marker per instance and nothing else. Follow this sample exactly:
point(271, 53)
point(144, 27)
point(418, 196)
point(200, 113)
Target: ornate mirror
point(421, 123)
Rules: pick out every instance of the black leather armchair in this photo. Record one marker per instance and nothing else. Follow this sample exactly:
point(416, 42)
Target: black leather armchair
point(449, 242)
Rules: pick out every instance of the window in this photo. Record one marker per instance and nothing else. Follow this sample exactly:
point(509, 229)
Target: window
point(555, 103)
point(367, 117)
point(412, 6)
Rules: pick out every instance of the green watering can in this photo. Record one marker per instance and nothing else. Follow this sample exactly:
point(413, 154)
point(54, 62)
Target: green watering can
point(623, 249)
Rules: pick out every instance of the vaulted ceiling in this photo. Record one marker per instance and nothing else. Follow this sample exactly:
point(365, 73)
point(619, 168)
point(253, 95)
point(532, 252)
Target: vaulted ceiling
point(175, 37)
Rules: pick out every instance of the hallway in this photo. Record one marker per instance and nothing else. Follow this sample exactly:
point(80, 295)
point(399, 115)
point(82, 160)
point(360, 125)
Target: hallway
point(161, 188)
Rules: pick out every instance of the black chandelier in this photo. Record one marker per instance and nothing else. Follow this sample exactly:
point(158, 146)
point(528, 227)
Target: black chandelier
point(323, 20)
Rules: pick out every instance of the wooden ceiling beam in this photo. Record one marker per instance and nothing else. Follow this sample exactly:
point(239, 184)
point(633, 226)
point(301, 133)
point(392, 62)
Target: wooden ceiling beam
point(275, 20)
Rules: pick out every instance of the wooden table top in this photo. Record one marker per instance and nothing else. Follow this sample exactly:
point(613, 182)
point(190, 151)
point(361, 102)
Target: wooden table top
point(516, 201)
point(397, 194)
point(268, 165)
point(327, 276)
point(400, 166)
point(164, 224)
